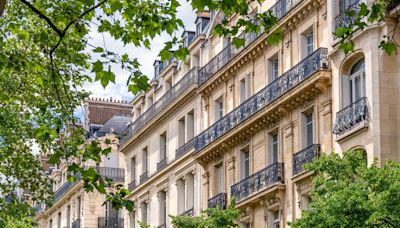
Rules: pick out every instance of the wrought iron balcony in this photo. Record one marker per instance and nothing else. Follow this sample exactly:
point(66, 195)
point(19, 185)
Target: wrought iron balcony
point(299, 73)
point(305, 156)
point(107, 222)
point(180, 87)
point(189, 212)
point(280, 9)
point(184, 148)
point(143, 177)
point(351, 116)
point(162, 164)
point(258, 182)
point(76, 223)
point(132, 185)
point(218, 201)
point(347, 16)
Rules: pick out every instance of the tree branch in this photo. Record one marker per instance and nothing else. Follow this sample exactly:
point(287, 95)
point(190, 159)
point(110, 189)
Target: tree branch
point(44, 17)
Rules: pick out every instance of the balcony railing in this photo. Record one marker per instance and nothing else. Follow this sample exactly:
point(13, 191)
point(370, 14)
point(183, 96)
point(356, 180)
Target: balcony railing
point(143, 177)
point(115, 174)
point(184, 148)
point(218, 201)
point(280, 9)
point(347, 16)
point(299, 73)
point(162, 226)
point(351, 116)
point(132, 185)
point(180, 87)
point(106, 222)
point(162, 164)
point(305, 156)
point(76, 223)
point(258, 182)
point(189, 212)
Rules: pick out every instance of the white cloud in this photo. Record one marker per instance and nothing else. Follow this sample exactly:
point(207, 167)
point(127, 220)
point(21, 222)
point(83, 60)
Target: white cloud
point(146, 57)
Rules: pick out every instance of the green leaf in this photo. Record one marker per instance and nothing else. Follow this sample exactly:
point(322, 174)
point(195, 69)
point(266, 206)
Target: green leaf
point(388, 47)
point(98, 49)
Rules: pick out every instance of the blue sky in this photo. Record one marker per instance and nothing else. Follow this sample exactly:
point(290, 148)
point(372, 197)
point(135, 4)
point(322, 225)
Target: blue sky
point(146, 57)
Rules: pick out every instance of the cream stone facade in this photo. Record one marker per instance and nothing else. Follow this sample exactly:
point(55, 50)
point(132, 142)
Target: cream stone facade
point(260, 112)
point(73, 207)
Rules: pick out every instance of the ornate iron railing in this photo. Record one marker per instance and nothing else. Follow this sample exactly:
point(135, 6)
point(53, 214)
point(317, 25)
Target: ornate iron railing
point(218, 200)
point(347, 16)
point(189, 212)
point(76, 223)
point(280, 9)
point(132, 185)
point(143, 177)
point(351, 116)
point(184, 148)
point(162, 164)
point(258, 182)
point(188, 80)
point(107, 222)
point(307, 67)
point(305, 156)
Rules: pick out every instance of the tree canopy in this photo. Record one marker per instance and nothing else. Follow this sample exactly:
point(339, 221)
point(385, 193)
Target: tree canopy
point(46, 54)
point(347, 192)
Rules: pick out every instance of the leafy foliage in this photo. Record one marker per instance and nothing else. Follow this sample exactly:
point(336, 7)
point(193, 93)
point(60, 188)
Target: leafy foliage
point(210, 218)
point(348, 193)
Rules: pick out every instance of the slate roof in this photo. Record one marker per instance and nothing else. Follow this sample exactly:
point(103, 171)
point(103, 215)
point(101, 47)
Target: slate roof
point(118, 123)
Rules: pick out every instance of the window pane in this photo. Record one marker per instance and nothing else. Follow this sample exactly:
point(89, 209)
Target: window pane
point(275, 149)
point(309, 129)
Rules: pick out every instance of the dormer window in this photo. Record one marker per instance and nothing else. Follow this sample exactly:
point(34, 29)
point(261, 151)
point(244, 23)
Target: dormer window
point(185, 41)
point(198, 28)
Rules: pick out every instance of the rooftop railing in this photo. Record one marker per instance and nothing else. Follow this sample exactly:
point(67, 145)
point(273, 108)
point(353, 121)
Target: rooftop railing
point(351, 116)
point(258, 182)
point(299, 73)
point(188, 80)
point(280, 9)
point(162, 164)
point(305, 156)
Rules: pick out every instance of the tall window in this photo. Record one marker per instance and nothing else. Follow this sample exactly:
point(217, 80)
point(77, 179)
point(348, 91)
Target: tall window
point(274, 148)
point(59, 220)
point(273, 63)
point(78, 207)
point(309, 43)
point(219, 179)
point(244, 87)
point(132, 219)
point(162, 207)
point(245, 163)
point(181, 132)
point(276, 219)
point(309, 129)
point(219, 108)
point(190, 125)
point(51, 223)
point(68, 216)
point(163, 146)
point(357, 81)
point(180, 185)
point(345, 4)
point(133, 168)
point(144, 160)
point(143, 208)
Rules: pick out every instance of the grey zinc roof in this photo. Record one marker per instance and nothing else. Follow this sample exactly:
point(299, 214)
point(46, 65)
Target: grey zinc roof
point(118, 123)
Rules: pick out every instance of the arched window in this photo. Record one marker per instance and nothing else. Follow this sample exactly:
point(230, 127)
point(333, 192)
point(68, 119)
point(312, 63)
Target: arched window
point(353, 82)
